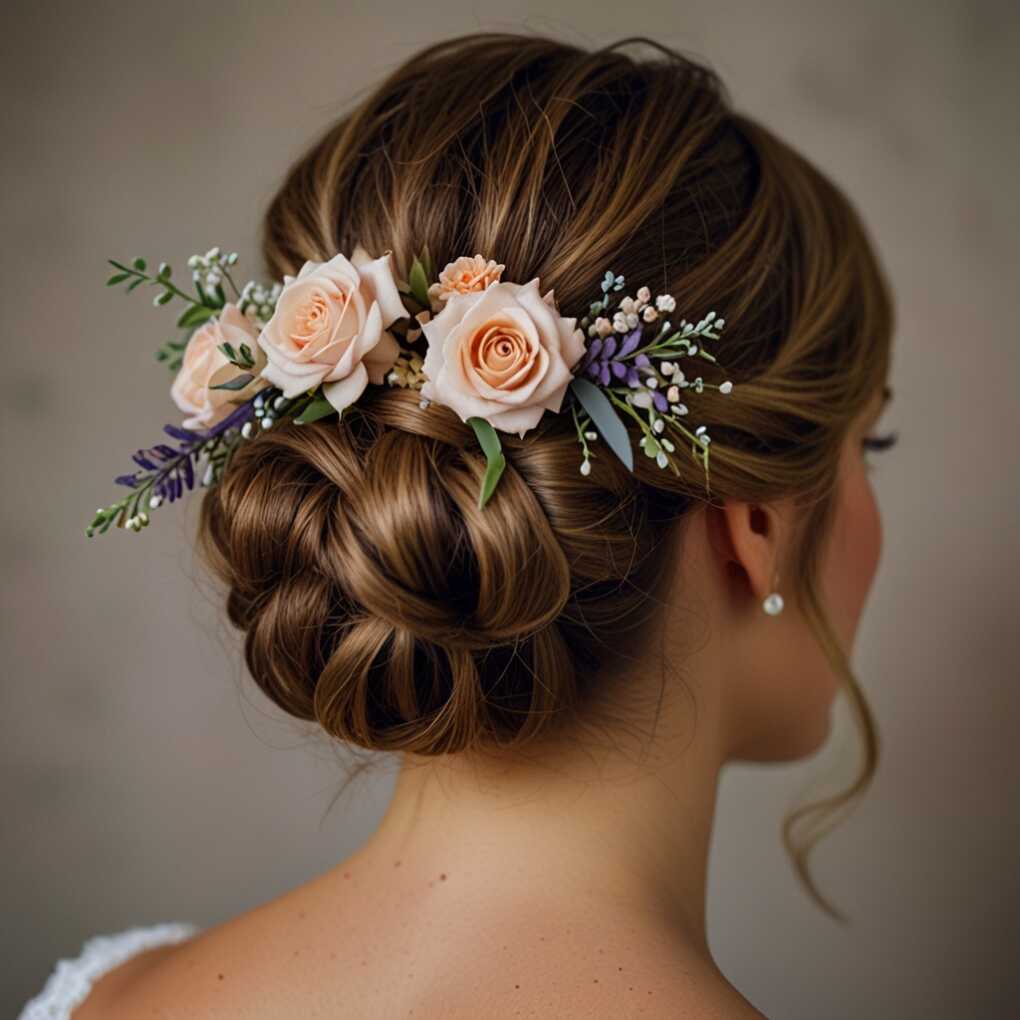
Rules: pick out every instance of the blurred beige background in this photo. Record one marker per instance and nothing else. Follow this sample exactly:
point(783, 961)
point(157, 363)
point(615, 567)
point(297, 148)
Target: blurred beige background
point(144, 779)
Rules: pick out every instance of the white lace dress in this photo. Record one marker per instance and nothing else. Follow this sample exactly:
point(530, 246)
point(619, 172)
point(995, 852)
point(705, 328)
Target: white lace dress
point(72, 979)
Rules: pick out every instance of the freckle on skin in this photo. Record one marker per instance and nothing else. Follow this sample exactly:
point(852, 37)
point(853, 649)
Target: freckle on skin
point(347, 874)
point(396, 864)
point(219, 977)
point(443, 877)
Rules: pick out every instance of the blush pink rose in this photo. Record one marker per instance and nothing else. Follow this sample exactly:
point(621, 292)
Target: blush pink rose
point(204, 366)
point(331, 327)
point(503, 354)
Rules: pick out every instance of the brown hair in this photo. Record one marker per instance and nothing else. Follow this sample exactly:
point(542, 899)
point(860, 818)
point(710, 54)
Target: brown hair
point(375, 597)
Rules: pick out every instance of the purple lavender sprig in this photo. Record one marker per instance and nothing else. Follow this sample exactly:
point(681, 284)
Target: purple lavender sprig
point(167, 471)
point(640, 377)
point(606, 360)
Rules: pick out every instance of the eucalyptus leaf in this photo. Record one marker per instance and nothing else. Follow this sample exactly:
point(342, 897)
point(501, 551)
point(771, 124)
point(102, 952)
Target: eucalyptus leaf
point(165, 298)
point(496, 461)
point(117, 278)
point(606, 420)
point(320, 407)
point(237, 383)
point(419, 282)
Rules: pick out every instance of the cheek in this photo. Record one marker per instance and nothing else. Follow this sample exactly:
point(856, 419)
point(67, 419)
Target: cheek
point(856, 547)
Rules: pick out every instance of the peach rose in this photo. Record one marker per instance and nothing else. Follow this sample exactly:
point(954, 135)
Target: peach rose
point(503, 354)
point(465, 276)
point(204, 366)
point(331, 327)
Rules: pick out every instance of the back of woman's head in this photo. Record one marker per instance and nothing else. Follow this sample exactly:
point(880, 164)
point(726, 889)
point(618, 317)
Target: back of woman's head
point(376, 598)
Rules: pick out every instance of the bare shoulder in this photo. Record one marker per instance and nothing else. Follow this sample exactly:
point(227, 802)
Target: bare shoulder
point(330, 949)
point(582, 968)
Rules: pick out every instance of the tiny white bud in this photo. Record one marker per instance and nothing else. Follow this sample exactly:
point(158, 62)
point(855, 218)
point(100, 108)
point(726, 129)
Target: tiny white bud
point(665, 303)
point(586, 467)
point(644, 295)
point(279, 402)
point(673, 394)
point(632, 320)
point(659, 425)
point(591, 435)
point(267, 422)
point(154, 502)
point(627, 305)
point(247, 429)
point(649, 314)
point(651, 382)
point(661, 459)
point(726, 387)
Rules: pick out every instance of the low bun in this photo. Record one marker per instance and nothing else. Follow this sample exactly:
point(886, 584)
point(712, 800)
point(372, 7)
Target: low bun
point(376, 597)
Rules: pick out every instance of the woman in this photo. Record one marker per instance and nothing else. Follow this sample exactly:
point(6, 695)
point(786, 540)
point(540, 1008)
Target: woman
point(566, 659)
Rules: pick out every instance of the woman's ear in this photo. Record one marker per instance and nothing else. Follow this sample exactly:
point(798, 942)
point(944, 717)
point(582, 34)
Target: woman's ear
point(748, 539)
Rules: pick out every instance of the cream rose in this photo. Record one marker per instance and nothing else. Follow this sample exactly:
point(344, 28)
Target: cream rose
point(465, 276)
point(331, 327)
point(204, 366)
point(503, 354)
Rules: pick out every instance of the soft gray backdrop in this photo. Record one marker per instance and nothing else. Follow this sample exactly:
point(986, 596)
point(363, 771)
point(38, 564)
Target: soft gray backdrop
point(144, 779)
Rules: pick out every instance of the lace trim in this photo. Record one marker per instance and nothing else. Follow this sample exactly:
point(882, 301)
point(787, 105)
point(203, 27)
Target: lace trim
point(70, 983)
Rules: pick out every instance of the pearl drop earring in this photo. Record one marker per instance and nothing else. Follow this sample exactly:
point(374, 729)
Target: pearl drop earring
point(773, 603)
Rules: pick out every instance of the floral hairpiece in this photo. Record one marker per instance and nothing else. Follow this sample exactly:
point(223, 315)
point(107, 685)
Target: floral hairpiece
point(499, 354)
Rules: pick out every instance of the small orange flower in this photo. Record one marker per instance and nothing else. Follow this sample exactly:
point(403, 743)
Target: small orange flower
point(466, 275)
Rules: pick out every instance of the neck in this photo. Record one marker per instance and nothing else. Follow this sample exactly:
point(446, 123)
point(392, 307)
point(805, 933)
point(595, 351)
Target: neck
point(621, 829)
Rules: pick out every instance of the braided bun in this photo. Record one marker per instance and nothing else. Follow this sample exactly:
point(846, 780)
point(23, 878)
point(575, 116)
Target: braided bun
point(376, 597)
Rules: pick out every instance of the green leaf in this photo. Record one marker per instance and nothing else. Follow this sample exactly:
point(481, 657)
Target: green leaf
point(117, 278)
point(228, 351)
point(140, 265)
point(426, 262)
point(194, 316)
point(419, 282)
point(136, 283)
point(237, 383)
point(247, 355)
point(496, 461)
point(164, 271)
point(320, 407)
point(165, 298)
point(606, 420)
